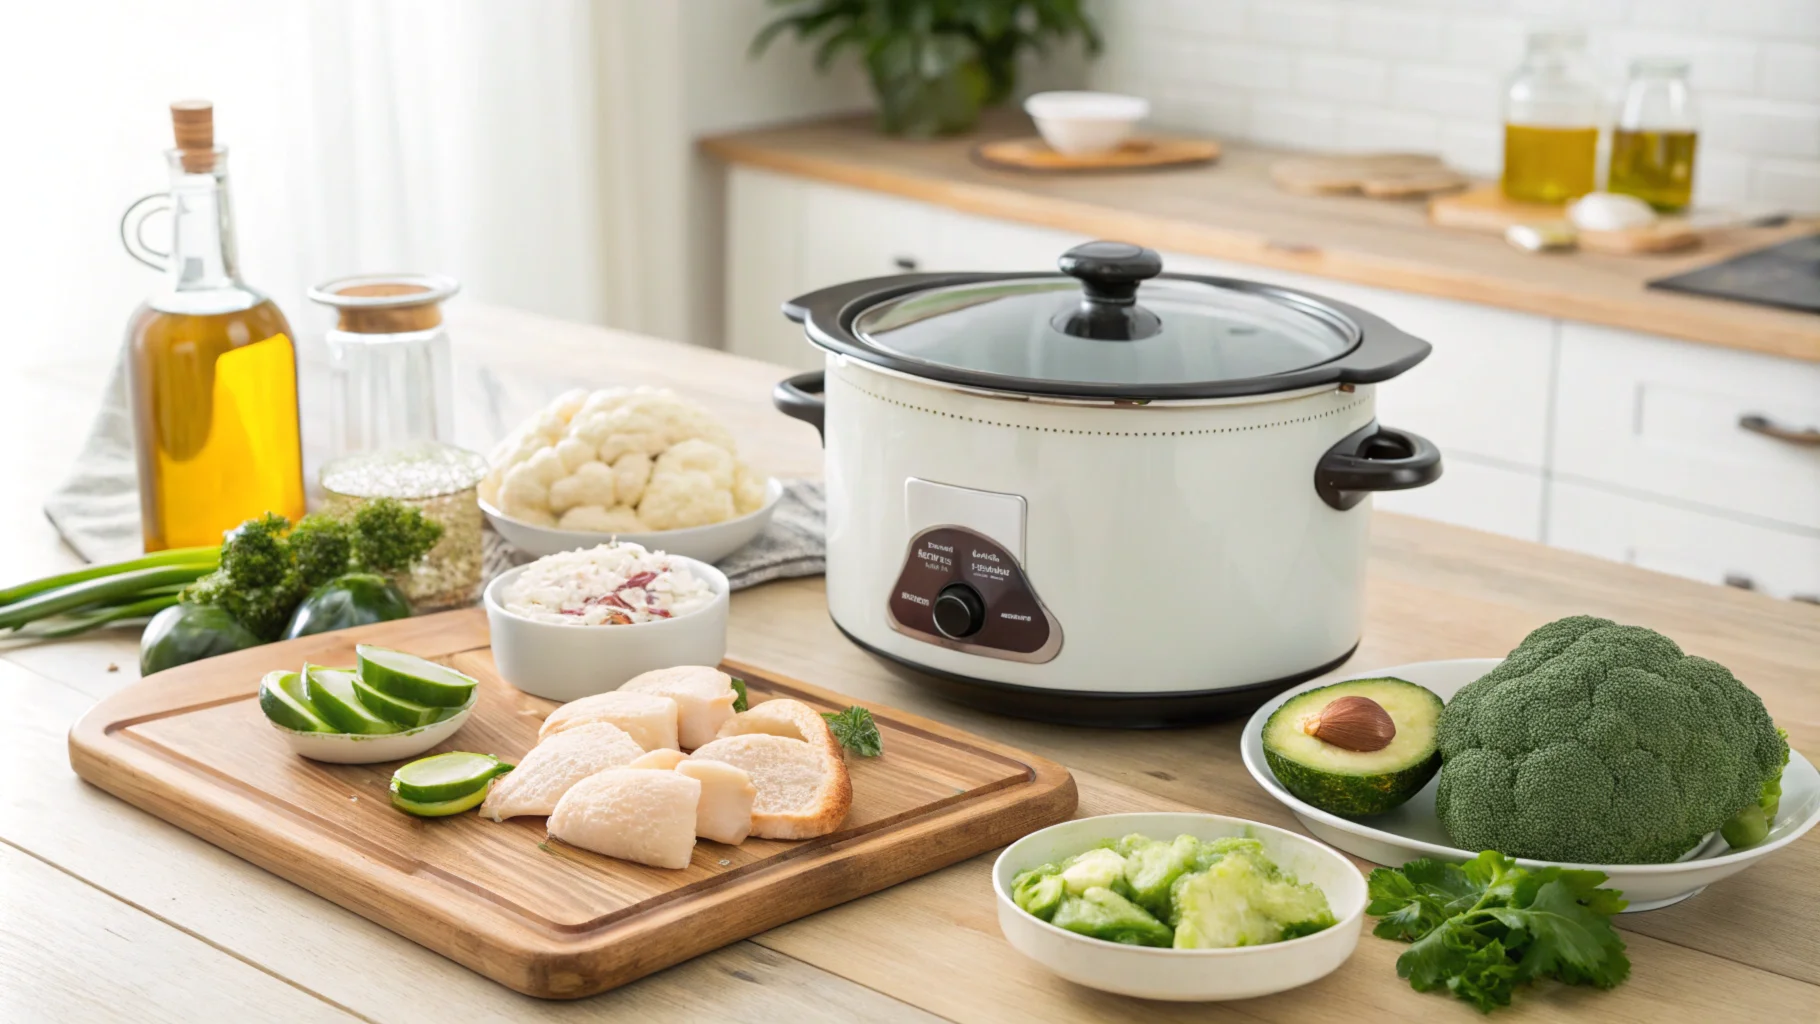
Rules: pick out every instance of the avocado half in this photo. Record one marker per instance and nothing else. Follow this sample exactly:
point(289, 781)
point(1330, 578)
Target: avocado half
point(1356, 783)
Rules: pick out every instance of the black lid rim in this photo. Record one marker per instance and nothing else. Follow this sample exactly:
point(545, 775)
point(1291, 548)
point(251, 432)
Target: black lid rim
point(1377, 350)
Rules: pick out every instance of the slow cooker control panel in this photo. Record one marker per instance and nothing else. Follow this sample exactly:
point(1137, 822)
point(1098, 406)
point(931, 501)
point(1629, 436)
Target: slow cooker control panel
point(962, 590)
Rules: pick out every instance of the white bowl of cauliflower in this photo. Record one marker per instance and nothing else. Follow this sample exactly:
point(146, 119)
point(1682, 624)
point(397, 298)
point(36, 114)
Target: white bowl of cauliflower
point(638, 464)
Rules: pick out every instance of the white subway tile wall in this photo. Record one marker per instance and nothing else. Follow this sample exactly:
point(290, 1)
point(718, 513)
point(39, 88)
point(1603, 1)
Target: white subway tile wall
point(1351, 75)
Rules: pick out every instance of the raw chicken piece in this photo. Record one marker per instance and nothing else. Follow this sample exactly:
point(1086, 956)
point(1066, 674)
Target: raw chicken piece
point(704, 698)
point(546, 772)
point(661, 759)
point(802, 792)
point(644, 815)
point(648, 717)
point(724, 814)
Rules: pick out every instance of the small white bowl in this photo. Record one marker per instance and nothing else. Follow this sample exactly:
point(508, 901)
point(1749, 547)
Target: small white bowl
point(1079, 123)
point(565, 663)
point(358, 748)
point(709, 543)
point(1183, 975)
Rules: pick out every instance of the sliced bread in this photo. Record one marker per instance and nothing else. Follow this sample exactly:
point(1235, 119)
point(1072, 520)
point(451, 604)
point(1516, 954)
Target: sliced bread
point(784, 716)
point(546, 772)
point(803, 792)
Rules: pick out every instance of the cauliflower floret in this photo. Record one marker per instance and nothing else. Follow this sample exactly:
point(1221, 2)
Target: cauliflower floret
point(748, 490)
point(698, 456)
point(522, 490)
point(684, 498)
point(604, 400)
point(564, 406)
point(619, 519)
point(591, 484)
point(545, 466)
point(531, 516)
point(574, 452)
point(631, 472)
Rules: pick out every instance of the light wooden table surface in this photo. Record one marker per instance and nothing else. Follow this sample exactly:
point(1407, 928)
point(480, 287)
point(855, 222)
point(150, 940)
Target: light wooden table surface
point(107, 914)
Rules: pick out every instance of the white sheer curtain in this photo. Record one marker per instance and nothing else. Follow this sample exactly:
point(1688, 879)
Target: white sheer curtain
point(457, 136)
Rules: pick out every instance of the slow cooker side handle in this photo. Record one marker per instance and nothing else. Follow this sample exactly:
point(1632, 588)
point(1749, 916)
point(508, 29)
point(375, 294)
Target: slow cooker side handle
point(1375, 458)
point(800, 398)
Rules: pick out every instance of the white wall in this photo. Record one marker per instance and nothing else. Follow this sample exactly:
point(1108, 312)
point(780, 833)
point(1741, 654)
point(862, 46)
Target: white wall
point(1428, 75)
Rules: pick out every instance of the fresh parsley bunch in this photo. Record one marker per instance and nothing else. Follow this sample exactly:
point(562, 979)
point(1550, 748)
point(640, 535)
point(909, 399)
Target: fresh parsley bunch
point(855, 730)
point(1482, 928)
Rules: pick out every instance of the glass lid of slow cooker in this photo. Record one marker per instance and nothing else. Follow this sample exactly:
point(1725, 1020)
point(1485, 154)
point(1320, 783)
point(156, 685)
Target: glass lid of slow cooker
point(1112, 326)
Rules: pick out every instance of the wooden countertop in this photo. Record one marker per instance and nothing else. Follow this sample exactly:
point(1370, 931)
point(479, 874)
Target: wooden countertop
point(112, 915)
point(1230, 210)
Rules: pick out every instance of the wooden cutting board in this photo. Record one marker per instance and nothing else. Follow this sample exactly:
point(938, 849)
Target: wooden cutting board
point(1487, 208)
point(191, 746)
point(1376, 175)
point(1150, 152)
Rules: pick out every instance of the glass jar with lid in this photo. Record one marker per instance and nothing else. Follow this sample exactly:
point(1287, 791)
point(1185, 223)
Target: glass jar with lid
point(1652, 146)
point(390, 373)
point(442, 481)
point(1551, 122)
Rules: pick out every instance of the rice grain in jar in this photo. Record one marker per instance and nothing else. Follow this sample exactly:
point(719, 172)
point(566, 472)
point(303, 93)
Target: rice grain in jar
point(441, 481)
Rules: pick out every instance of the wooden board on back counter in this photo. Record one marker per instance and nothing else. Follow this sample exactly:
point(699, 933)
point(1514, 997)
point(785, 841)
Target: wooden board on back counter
point(191, 746)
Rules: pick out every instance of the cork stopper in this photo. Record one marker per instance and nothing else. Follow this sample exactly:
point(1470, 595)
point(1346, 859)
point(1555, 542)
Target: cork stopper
point(390, 319)
point(193, 125)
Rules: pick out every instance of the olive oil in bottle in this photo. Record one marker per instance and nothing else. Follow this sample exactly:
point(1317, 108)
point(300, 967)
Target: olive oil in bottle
point(1652, 148)
point(1549, 165)
point(1551, 122)
point(212, 366)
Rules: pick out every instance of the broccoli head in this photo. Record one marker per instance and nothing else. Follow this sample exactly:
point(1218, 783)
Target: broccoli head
point(257, 583)
point(1602, 744)
point(390, 536)
point(321, 545)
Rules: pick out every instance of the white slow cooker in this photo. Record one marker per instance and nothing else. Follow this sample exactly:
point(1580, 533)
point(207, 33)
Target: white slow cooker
point(1117, 497)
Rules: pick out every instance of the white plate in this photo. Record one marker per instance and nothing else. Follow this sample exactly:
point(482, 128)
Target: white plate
point(1413, 831)
point(1183, 974)
point(358, 748)
point(709, 543)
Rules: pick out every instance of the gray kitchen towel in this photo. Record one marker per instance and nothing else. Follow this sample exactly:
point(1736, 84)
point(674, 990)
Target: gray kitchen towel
point(96, 508)
point(794, 544)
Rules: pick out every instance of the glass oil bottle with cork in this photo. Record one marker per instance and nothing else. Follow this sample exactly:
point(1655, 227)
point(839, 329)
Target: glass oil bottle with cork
point(1551, 122)
point(211, 363)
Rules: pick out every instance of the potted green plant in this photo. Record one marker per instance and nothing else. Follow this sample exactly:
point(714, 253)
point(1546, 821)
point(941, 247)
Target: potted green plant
point(933, 63)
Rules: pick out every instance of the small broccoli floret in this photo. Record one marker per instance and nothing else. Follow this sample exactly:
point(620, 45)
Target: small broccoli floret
point(321, 545)
point(257, 583)
point(390, 536)
point(1104, 914)
point(1240, 901)
point(1751, 825)
point(1603, 744)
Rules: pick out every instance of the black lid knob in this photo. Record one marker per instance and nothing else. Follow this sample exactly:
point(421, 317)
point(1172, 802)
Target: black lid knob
point(1110, 273)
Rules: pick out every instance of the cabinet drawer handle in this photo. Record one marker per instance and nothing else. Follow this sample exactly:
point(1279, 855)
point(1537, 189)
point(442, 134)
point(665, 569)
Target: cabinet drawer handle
point(905, 263)
point(1806, 437)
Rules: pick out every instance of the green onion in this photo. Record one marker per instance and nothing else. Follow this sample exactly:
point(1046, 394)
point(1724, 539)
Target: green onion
point(82, 623)
point(95, 591)
point(176, 556)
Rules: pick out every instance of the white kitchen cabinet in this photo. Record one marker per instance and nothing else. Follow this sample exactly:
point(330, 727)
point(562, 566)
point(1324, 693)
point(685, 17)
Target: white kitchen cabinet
point(764, 267)
point(1703, 546)
point(1660, 417)
point(968, 242)
point(1497, 499)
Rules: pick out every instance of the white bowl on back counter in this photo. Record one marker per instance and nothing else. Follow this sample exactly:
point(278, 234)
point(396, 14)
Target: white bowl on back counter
point(709, 543)
point(1079, 123)
point(1148, 972)
point(559, 635)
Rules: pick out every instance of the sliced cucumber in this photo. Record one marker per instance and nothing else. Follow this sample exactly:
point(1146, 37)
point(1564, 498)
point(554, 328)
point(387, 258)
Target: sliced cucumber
point(281, 698)
point(444, 777)
point(405, 714)
point(331, 692)
point(1352, 782)
point(438, 809)
point(408, 677)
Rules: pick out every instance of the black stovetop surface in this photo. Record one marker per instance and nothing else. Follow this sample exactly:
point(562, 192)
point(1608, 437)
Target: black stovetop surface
point(1785, 275)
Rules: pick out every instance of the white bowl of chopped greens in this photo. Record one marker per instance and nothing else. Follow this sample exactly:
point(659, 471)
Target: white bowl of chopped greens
point(1179, 906)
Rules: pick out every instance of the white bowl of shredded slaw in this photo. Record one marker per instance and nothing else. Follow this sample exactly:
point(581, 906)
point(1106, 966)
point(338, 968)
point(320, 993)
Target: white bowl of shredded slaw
point(583, 622)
